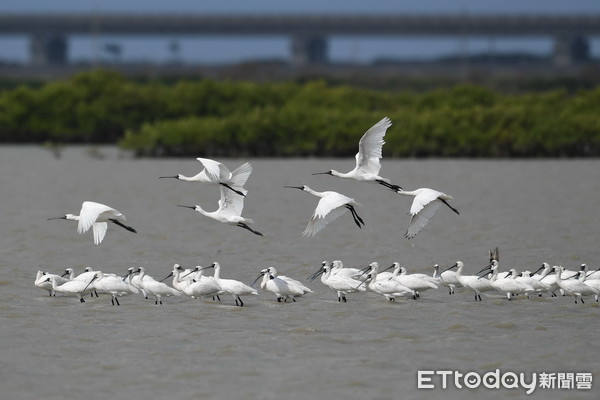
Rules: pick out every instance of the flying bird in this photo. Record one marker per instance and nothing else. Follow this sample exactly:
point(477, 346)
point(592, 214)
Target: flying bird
point(216, 173)
point(96, 216)
point(368, 156)
point(331, 206)
point(229, 212)
point(425, 205)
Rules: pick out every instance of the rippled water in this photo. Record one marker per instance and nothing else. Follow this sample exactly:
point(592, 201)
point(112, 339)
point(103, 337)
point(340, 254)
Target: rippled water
point(57, 348)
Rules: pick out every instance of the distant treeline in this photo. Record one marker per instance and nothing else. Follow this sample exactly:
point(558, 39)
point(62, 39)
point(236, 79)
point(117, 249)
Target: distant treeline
point(314, 118)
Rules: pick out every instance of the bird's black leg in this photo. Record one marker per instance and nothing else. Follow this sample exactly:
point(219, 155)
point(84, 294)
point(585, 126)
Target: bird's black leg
point(452, 208)
point(130, 229)
point(117, 301)
point(232, 189)
point(389, 185)
point(243, 225)
point(357, 219)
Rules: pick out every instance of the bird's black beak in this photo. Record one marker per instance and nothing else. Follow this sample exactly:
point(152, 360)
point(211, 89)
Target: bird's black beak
point(489, 267)
point(322, 173)
point(314, 276)
point(449, 268)
point(295, 187)
point(168, 276)
point(192, 207)
point(86, 286)
point(49, 219)
point(257, 278)
point(66, 273)
point(173, 177)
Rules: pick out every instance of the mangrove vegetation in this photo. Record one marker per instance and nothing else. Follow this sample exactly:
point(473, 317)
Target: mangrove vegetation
point(313, 118)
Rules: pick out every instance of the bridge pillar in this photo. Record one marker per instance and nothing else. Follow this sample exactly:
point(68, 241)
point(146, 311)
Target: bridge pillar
point(569, 50)
point(48, 49)
point(309, 49)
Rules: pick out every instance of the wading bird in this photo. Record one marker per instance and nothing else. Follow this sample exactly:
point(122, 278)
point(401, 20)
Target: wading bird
point(229, 212)
point(424, 206)
point(368, 156)
point(339, 283)
point(216, 173)
point(331, 206)
point(473, 282)
point(280, 285)
point(96, 216)
point(231, 286)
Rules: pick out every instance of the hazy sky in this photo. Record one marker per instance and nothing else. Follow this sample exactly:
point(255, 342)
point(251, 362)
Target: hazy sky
point(215, 49)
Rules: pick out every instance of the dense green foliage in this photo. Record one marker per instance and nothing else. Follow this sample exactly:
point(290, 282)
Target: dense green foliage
point(206, 117)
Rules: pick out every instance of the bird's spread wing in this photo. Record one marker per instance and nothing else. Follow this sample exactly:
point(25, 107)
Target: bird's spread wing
point(230, 203)
point(240, 175)
point(317, 223)
point(329, 208)
point(99, 229)
point(370, 145)
point(421, 218)
point(214, 169)
point(91, 211)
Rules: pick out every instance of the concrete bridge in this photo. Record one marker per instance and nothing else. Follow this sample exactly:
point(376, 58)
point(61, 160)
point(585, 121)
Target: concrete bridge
point(49, 33)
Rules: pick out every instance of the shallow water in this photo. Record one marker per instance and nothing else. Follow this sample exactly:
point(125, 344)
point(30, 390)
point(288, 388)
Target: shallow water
point(57, 348)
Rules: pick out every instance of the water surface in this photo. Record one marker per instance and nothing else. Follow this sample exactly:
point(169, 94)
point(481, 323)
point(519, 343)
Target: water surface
point(57, 348)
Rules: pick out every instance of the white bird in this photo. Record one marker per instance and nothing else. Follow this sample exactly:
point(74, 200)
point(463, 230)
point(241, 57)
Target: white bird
point(511, 286)
point(473, 282)
point(447, 278)
point(181, 278)
point(41, 281)
point(388, 288)
point(337, 268)
point(339, 283)
point(415, 283)
point(537, 285)
point(281, 288)
point(216, 173)
point(229, 212)
point(425, 205)
point(368, 156)
point(77, 288)
point(546, 277)
point(155, 288)
point(574, 287)
point(113, 285)
point(203, 286)
point(96, 216)
point(231, 286)
point(331, 206)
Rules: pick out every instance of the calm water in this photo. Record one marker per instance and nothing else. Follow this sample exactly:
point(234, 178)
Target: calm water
point(57, 348)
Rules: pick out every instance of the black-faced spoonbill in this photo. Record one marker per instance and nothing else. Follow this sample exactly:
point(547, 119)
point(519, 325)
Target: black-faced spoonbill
point(155, 288)
point(472, 282)
point(114, 286)
point(77, 288)
point(216, 173)
point(425, 205)
point(574, 287)
point(96, 216)
point(367, 159)
point(338, 283)
point(331, 206)
point(415, 283)
point(229, 212)
point(388, 288)
point(283, 287)
point(41, 281)
point(231, 286)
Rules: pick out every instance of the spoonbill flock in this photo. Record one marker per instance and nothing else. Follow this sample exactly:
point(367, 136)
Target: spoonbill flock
point(344, 281)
